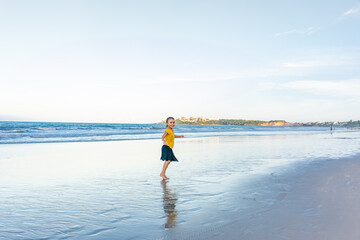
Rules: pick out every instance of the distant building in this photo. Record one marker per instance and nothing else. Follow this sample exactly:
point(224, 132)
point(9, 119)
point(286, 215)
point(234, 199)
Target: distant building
point(197, 119)
point(201, 119)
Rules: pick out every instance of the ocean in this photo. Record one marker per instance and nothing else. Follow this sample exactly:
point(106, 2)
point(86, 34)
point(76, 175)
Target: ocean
point(46, 132)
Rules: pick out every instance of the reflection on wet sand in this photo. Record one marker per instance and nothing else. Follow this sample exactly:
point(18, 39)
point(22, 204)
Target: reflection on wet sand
point(169, 205)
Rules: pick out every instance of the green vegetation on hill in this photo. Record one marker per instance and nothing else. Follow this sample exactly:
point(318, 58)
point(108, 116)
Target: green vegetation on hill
point(221, 122)
point(238, 122)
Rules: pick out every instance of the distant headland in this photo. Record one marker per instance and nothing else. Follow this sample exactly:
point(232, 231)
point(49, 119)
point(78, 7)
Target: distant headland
point(274, 123)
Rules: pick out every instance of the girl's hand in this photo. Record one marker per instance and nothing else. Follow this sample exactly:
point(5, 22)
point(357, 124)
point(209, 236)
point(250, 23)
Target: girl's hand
point(165, 143)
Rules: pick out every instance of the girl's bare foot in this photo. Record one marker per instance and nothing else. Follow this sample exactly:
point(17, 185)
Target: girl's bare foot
point(164, 177)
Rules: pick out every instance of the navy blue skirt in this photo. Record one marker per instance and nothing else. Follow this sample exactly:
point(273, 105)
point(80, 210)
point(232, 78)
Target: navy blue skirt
point(167, 154)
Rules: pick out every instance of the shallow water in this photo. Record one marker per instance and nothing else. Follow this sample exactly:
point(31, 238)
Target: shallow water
point(111, 190)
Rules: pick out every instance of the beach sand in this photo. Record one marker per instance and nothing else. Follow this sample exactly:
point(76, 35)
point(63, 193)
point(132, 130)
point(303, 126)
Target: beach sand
point(317, 201)
point(112, 190)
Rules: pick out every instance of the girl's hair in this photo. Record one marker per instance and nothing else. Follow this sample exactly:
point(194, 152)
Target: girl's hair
point(167, 120)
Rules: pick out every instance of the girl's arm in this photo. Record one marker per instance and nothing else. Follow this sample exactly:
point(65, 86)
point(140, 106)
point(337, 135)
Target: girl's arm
point(179, 136)
point(163, 138)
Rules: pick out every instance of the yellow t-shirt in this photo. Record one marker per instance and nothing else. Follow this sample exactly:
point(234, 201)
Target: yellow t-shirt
point(170, 137)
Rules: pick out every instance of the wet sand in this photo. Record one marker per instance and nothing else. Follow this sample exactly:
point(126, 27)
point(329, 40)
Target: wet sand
point(317, 201)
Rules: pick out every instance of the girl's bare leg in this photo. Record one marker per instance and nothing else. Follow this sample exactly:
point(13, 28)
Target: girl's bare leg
point(162, 174)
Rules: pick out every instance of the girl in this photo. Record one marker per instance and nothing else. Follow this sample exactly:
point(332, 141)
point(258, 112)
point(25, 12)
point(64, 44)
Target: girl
point(168, 139)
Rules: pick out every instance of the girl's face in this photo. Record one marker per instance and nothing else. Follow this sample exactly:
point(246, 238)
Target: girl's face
point(171, 123)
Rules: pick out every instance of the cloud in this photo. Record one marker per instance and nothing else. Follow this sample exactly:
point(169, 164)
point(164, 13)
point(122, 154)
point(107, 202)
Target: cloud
point(306, 31)
point(285, 33)
point(345, 88)
point(352, 11)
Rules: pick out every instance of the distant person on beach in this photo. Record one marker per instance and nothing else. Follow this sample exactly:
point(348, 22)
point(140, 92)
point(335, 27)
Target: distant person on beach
point(168, 139)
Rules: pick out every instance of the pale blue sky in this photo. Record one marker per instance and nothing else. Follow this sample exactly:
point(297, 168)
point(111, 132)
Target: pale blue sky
point(141, 61)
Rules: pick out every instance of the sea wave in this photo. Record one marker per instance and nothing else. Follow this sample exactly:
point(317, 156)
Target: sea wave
point(42, 132)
